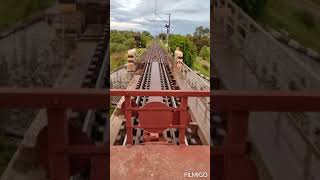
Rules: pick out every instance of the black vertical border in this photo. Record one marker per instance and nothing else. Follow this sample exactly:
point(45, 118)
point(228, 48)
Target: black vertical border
point(212, 79)
point(107, 143)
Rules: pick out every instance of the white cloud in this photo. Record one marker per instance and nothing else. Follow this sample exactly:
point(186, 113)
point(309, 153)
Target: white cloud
point(139, 20)
point(139, 15)
point(128, 5)
point(125, 26)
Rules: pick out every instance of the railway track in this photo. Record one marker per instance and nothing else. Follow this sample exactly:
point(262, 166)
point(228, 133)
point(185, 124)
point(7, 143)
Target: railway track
point(93, 122)
point(156, 75)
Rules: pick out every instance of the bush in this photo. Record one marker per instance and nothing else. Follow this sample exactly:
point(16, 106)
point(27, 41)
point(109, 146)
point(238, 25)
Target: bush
point(187, 47)
point(201, 37)
point(145, 40)
point(205, 53)
point(116, 47)
point(121, 42)
point(162, 36)
point(117, 60)
point(307, 18)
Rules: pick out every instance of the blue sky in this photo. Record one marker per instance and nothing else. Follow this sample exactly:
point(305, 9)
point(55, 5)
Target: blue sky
point(138, 15)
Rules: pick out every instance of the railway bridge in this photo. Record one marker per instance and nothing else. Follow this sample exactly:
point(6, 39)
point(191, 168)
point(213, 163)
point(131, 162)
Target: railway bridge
point(161, 107)
point(161, 126)
point(249, 57)
point(162, 121)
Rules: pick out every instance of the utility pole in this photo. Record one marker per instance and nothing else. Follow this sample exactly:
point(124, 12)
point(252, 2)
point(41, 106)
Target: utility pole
point(168, 25)
point(155, 16)
point(168, 30)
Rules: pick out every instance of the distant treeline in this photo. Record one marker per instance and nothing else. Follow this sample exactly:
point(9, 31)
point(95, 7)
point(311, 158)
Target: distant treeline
point(124, 40)
point(192, 46)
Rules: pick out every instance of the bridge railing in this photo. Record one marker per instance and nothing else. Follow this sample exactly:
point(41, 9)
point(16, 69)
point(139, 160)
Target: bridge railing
point(58, 101)
point(193, 79)
point(238, 105)
point(271, 62)
point(202, 104)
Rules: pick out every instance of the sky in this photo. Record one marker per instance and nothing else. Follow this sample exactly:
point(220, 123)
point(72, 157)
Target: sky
point(139, 15)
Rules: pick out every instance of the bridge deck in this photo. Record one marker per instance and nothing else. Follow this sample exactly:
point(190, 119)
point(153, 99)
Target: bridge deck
point(158, 161)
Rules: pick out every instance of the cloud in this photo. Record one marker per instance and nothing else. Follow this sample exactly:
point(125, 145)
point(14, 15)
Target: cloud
point(125, 25)
point(128, 5)
point(139, 20)
point(139, 15)
point(183, 26)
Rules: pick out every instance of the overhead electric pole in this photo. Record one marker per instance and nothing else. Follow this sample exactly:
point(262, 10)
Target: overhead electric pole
point(168, 30)
point(168, 24)
point(155, 16)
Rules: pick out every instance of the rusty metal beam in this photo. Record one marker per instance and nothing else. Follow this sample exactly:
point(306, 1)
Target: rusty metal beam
point(76, 98)
point(98, 98)
point(85, 150)
point(275, 101)
point(58, 134)
point(238, 104)
point(99, 168)
point(237, 131)
point(53, 98)
point(176, 93)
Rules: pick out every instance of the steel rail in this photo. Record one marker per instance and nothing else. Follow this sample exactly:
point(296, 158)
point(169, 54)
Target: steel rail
point(174, 104)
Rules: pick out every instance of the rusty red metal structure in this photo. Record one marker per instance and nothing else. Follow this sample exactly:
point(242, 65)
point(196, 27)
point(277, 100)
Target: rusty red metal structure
point(57, 101)
point(156, 116)
point(230, 161)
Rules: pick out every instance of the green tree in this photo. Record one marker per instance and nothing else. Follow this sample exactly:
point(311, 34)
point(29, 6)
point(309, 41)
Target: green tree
point(201, 32)
point(146, 33)
point(201, 37)
point(187, 47)
point(145, 40)
point(205, 53)
point(254, 8)
point(121, 42)
point(162, 36)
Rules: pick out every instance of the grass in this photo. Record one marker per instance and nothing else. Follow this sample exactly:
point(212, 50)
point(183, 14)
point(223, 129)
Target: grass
point(140, 51)
point(280, 14)
point(120, 58)
point(111, 110)
point(202, 66)
point(7, 150)
point(117, 59)
point(13, 11)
